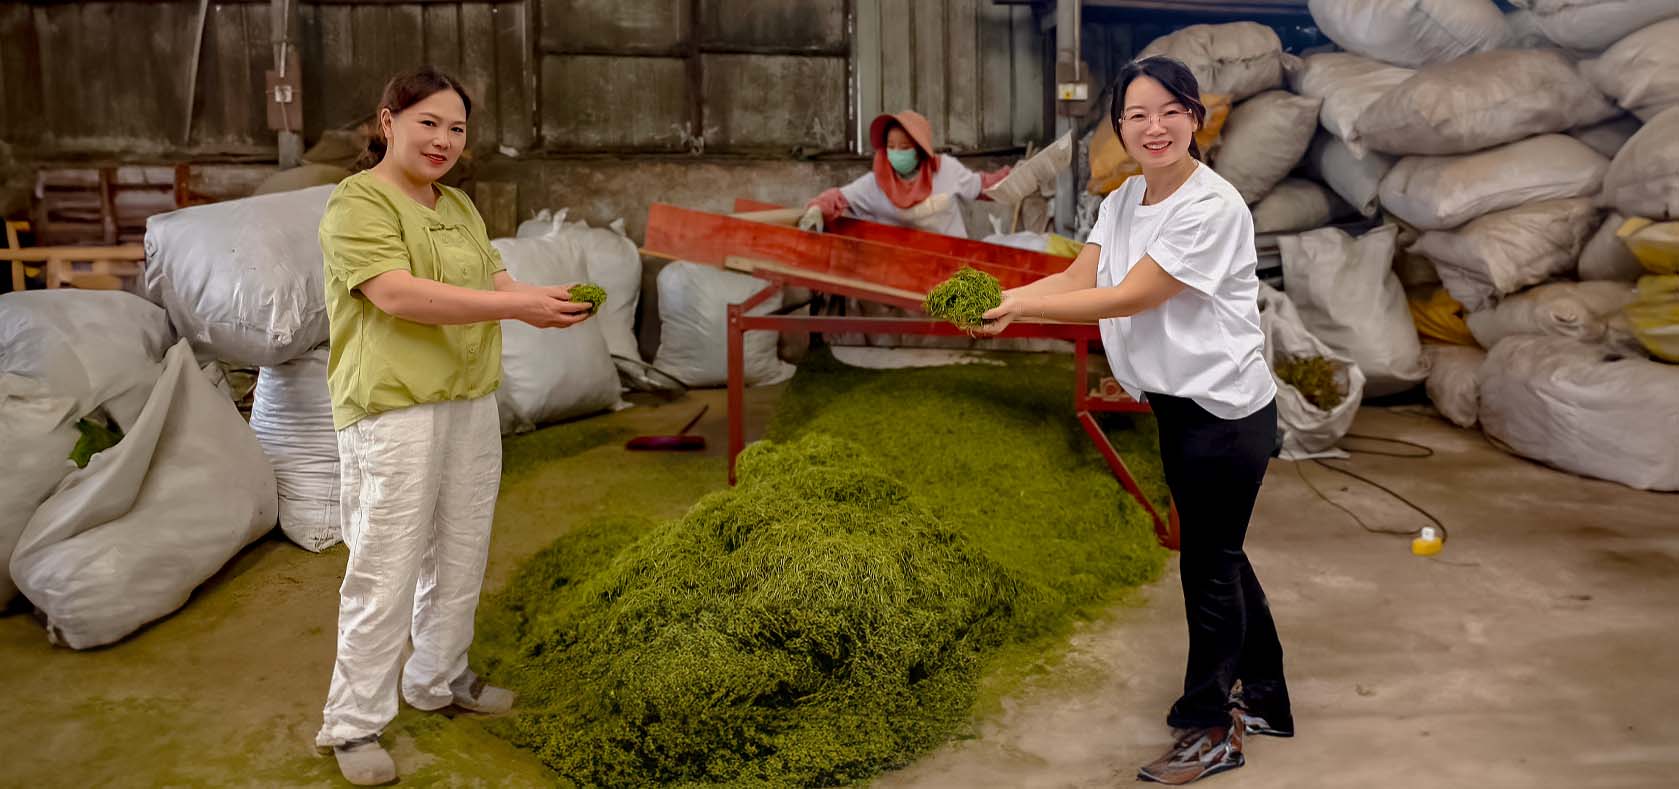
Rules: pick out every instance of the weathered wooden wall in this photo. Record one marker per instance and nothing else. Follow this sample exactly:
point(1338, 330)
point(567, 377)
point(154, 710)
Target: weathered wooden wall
point(694, 75)
point(349, 51)
point(755, 77)
point(115, 76)
point(975, 69)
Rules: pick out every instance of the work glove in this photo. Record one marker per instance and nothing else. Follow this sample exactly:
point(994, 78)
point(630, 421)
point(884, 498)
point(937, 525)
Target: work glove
point(812, 220)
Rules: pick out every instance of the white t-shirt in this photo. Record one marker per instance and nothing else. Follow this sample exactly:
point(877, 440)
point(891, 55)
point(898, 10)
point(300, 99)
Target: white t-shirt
point(869, 202)
point(1204, 343)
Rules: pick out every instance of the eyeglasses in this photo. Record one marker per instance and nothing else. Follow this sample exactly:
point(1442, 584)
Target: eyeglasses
point(1169, 115)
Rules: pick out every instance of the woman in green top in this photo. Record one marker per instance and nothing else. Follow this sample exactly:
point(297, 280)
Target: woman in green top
point(414, 294)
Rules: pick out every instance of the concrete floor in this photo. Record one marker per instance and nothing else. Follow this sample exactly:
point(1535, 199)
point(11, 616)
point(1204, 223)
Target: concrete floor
point(228, 690)
point(1537, 651)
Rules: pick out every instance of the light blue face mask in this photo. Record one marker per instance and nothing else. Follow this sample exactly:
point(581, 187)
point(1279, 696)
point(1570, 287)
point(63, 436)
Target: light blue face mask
point(904, 160)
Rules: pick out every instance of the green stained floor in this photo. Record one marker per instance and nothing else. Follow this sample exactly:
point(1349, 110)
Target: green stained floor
point(227, 692)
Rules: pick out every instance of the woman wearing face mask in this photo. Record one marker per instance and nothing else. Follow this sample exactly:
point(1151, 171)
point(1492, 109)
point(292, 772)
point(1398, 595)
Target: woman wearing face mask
point(414, 295)
point(909, 185)
point(1168, 272)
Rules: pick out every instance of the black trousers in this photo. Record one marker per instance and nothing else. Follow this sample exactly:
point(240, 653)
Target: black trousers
point(1214, 468)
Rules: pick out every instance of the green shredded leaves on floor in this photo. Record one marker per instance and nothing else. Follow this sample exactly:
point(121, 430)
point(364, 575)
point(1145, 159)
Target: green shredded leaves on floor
point(832, 615)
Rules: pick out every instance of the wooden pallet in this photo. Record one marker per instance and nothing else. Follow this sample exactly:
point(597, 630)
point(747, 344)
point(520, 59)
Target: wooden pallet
point(105, 205)
point(93, 268)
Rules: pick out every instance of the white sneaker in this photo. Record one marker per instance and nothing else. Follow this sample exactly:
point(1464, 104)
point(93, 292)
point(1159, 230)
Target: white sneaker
point(483, 698)
point(364, 762)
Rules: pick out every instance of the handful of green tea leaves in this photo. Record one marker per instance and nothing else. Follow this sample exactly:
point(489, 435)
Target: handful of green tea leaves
point(1315, 377)
point(964, 298)
point(594, 295)
point(96, 438)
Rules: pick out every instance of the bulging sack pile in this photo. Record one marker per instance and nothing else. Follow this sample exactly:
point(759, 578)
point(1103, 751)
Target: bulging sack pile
point(1532, 161)
point(1593, 25)
point(1349, 298)
point(548, 375)
point(1453, 382)
point(694, 304)
point(1528, 162)
point(1643, 180)
point(1411, 33)
point(1265, 138)
point(1238, 60)
point(243, 280)
point(1480, 101)
point(1298, 179)
point(1578, 310)
point(102, 549)
point(1503, 252)
point(1447, 192)
point(1585, 409)
point(1641, 71)
point(291, 414)
point(1347, 84)
point(611, 261)
point(65, 355)
point(1311, 426)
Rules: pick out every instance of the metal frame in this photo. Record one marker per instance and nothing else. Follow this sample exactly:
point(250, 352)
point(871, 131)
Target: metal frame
point(886, 265)
point(1106, 397)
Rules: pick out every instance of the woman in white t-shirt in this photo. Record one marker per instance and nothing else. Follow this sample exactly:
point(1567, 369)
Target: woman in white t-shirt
point(909, 184)
point(1168, 271)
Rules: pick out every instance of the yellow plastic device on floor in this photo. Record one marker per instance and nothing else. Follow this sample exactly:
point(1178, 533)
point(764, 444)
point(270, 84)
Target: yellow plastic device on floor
point(1429, 542)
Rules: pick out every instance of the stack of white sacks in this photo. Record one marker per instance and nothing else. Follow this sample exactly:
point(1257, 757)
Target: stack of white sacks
point(243, 282)
point(102, 550)
point(1344, 302)
point(1504, 153)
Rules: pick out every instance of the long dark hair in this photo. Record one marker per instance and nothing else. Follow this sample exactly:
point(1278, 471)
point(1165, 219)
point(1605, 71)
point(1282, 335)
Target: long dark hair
point(404, 91)
point(1175, 77)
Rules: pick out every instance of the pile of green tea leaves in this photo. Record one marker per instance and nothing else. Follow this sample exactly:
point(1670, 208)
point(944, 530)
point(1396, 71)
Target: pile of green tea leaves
point(964, 298)
point(1315, 377)
point(832, 615)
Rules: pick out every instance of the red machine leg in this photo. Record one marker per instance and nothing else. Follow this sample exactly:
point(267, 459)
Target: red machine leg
point(1165, 529)
point(737, 388)
point(737, 370)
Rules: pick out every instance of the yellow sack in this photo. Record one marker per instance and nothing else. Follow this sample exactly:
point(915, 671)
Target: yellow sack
point(1655, 316)
point(1062, 246)
point(1110, 165)
point(1440, 318)
point(1655, 244)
